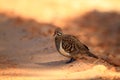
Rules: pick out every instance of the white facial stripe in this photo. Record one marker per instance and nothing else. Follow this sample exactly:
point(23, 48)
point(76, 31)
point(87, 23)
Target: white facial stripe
point(59, 34)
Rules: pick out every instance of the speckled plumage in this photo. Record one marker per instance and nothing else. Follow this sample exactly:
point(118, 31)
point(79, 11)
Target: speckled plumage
point(70, 45)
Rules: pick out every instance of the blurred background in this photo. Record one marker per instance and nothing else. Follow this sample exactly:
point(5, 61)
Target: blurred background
point(27, 26)
point(55, 11)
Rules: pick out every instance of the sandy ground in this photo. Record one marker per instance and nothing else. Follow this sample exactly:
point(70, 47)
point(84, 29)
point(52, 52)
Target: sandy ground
point(27, 52)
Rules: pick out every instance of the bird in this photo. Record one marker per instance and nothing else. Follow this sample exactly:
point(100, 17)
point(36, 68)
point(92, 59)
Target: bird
point(70, 46)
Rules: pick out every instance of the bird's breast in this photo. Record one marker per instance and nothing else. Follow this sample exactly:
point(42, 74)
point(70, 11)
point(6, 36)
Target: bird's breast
point(62, 51)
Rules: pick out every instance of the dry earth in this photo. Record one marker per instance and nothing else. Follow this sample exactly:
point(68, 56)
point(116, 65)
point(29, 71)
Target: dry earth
point(27, 50)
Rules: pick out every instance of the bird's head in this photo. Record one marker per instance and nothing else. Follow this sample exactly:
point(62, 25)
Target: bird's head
point(58, 32)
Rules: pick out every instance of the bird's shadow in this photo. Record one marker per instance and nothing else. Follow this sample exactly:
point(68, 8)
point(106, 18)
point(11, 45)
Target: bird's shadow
point(53, 63)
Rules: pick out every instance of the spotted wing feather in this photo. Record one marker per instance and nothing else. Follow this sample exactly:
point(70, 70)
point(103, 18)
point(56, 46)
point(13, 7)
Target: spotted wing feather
point(72, 45)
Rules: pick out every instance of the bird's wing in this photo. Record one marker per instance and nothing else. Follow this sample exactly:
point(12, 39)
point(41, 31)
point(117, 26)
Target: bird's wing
point(72, 45)
point(80, 44)
point(85, 46)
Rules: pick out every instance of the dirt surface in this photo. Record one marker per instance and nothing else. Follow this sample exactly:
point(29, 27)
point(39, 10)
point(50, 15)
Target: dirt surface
point(27, 50)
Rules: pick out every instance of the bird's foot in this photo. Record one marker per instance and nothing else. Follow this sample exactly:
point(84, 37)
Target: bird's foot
point(84, 58)
point(71, 60)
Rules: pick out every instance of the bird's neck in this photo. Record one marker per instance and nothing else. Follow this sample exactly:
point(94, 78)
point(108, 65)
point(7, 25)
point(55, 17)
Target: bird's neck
point(57, 41)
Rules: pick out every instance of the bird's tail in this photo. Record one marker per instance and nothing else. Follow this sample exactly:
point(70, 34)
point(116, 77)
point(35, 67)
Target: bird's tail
point(92, 55)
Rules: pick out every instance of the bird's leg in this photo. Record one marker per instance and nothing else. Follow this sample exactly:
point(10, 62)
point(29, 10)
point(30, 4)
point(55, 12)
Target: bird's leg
point(71, 60)
point(96, 61)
